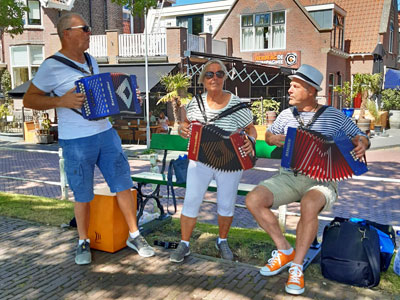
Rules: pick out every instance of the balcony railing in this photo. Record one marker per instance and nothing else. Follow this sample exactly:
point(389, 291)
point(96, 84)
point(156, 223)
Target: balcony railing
point(131, 45)
point(98, 45)
point(195, 43)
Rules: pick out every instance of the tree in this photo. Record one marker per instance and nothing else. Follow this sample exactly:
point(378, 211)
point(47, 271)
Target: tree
point(12, 17)
point(137, 7)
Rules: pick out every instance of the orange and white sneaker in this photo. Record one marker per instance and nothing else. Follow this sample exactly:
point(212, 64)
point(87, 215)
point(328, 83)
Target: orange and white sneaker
point(277, 263)
point(295, 283)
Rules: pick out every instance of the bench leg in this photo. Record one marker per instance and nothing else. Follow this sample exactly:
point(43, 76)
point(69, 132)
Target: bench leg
point(143, 199)
point(312, 253)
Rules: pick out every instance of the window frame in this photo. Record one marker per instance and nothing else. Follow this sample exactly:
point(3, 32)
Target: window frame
point(26, 15)
point(29, 65)
point(270, 25)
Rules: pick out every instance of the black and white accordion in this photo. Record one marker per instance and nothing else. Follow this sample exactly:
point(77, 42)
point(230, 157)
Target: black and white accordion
point(218, 149)
point(319, 157)
point(108, 94)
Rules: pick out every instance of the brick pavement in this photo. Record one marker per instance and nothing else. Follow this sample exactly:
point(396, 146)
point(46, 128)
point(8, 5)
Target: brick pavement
point(37, 262)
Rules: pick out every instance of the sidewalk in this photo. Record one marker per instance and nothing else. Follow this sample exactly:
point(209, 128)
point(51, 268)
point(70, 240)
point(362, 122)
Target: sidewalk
point(37, 262)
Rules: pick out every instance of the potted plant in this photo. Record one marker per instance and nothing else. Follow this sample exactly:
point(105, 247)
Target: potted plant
point(391, 103)
point(177, 93)
point(347, 98)
point(43, 135)
point(265, 110)
point(377, 114)
point(366, 85)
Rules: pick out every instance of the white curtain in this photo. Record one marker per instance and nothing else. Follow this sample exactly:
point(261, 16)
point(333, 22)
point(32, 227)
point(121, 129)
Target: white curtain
point(247, 38)
point(278, 36)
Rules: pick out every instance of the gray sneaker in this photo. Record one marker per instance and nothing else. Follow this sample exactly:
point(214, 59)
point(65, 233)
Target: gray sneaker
point(179, 254)
point(224, 250)
point(83, 255)
point(140, 245)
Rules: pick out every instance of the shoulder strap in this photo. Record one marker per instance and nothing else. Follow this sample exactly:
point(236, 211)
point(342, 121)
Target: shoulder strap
point(315, 116)
point(231, 110)
point(373, 260)
point(200, 103)
point(73, 65)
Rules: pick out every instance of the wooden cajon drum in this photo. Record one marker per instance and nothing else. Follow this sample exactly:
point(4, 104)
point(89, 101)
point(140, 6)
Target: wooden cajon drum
point(108, 230)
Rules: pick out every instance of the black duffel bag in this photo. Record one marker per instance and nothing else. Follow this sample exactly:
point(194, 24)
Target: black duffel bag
point(350, 253)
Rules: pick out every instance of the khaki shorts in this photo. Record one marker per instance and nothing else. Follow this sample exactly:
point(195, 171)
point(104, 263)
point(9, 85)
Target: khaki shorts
point(288, 188)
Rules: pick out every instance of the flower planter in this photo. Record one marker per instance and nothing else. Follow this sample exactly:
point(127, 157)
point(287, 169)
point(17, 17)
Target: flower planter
point(348, 111)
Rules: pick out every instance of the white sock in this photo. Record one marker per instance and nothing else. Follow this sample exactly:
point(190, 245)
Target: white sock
point(186, 243)
point(221, 240)
point(134, 234)
point(286, 252)
point(81, 241)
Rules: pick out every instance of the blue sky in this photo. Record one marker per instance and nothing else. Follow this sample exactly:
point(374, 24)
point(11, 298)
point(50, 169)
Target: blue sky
point(183, 2)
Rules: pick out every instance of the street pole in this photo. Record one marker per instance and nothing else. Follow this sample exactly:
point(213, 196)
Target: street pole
point(146, 68)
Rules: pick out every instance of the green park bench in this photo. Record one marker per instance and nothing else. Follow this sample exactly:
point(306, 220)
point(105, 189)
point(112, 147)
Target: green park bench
point(167, 142)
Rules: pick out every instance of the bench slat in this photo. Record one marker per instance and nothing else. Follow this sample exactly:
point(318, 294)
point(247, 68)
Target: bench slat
point(156, 178)
point(174, 142)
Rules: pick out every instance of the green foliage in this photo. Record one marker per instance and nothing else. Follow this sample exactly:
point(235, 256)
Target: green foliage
point(176, 86)
point(366, 85)
point(137, 7)
point(11, 17)
point(4, 111)
point(6, 83)
point(373, 110)
point(346, 93)
point(259, 108)
point(391, 99)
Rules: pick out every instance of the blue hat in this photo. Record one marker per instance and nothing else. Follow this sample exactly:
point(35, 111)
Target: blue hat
point(309, 75)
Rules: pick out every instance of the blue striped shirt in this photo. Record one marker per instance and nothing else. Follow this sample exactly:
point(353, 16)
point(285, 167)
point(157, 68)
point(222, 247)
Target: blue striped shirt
point(328, 123)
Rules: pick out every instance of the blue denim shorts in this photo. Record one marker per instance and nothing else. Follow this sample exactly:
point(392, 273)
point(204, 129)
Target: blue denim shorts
point(83, 154)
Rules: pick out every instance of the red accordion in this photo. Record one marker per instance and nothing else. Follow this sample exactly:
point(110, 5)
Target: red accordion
point(217, 148)
point(321, 158)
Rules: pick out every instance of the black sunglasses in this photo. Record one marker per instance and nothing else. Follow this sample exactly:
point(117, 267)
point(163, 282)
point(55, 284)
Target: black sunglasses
point(209, 74)
point(85, 28)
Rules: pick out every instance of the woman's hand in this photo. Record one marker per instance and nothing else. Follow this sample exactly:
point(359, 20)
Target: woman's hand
point(183, 130)
point(248, 147)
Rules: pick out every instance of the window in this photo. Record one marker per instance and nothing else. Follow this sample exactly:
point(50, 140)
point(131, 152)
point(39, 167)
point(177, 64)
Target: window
point(391, 37)
point(331, 82)
point(338, 32)
point(34, 16)
point(194, 23)
point(323, 18)
point(25, 61)
point(263, 31)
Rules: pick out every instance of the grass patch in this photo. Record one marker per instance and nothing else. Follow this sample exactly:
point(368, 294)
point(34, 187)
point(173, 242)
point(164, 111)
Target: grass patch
point(38, 209)
point(252, 246)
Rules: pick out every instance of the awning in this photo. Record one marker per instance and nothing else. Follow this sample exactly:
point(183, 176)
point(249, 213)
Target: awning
point(156, 71)
point(19, 91)
point(392, 79)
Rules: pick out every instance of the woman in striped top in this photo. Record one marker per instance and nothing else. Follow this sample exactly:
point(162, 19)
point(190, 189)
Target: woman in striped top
point(215, 100)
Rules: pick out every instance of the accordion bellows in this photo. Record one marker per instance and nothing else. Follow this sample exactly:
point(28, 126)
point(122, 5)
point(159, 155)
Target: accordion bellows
point(108, 94)
point(321, 158)
point(218, 149)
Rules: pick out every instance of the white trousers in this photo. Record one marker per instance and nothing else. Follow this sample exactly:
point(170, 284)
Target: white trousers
point(199, 177)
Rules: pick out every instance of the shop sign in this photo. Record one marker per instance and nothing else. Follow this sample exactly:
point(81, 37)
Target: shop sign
point(289, 59)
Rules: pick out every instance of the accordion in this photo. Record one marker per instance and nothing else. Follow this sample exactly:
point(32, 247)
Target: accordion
point(218, 149)
point(321, 158)
point(108, 94)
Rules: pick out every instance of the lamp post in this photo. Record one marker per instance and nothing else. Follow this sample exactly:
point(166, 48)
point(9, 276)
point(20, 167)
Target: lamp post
point(146, 72)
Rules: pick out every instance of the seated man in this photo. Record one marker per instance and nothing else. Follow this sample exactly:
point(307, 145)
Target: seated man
point(287, 187)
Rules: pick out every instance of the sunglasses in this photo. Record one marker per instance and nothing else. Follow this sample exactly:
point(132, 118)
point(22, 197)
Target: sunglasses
point(85, 28)
point(219, 74)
